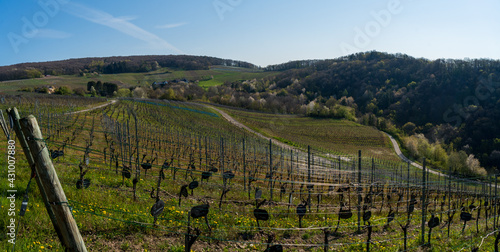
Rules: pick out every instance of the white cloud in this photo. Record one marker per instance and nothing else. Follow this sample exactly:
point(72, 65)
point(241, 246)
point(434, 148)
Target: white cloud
point(128, 18)
point(168, 26)
point(52, 34)
point(120, 24)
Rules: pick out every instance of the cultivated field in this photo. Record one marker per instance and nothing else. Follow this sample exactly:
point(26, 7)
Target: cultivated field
point(340, 136)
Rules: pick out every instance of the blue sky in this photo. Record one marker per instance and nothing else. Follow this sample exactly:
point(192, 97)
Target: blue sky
point(257, 31)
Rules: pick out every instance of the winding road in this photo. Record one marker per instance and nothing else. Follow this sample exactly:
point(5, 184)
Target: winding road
point(405, 159)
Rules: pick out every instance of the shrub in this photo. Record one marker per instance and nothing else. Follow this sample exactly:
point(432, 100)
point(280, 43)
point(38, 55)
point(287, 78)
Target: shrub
point(123, 92)
point(26, 89)
point(63, 91)
point(79, 91)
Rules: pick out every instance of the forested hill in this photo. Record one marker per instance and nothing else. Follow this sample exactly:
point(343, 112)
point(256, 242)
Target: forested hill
point(404, 88)
point(461, 93)
point(112, 65)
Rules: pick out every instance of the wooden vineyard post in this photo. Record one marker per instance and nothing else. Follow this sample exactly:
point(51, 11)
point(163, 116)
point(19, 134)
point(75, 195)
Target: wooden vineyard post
point(309, 176)
point(373, 170)
point(449, 194)
point(137, 168)
point(271, 167)
point(291, 167)
point(340, 174)
point(358, 191)
point(495, 204)
point(244, 168)
point(71, 237)
point(423, 202)
point(22, 140)
point(222, 153)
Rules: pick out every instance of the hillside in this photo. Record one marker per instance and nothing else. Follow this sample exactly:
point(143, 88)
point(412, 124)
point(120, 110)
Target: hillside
point(453, 103)
point(113, 65)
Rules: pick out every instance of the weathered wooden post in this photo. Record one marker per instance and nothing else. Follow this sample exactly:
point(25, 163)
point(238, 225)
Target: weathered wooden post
point(22, 140)
point(309, 176)
point(358, 191)
point(449, 196)
point(71, 237)
point(271, 166)
point(423, 202)
point(244, 167)
point(495, 203)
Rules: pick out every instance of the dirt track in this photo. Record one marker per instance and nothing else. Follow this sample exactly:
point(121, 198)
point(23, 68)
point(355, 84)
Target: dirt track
point(93, 108)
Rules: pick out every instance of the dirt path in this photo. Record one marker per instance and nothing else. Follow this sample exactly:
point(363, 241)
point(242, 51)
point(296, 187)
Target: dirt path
point(274, 141)
point(240, 125)
point(93, 108)
point(283, 145)
point(405, 159)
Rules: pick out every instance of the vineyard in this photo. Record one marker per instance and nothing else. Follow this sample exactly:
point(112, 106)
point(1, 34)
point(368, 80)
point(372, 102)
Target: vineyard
point(147, 175)
point(328, 135)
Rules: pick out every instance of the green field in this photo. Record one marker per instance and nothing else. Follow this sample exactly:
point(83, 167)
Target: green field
point(217, 75)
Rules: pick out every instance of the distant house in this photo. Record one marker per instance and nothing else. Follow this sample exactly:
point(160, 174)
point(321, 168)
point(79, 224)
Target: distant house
point(156, 84)
point(51, 89)
point(45, 89)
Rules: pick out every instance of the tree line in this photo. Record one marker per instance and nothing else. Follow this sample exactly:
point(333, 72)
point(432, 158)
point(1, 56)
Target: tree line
point(110, 65)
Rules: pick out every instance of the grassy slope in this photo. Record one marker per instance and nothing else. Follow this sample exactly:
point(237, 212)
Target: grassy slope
point(339, 136)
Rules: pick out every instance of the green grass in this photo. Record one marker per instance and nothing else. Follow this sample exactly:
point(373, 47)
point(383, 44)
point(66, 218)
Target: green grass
point(210, 83)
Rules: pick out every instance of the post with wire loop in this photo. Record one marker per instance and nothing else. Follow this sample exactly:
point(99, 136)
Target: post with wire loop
point(14, 115)
point(49, 182)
